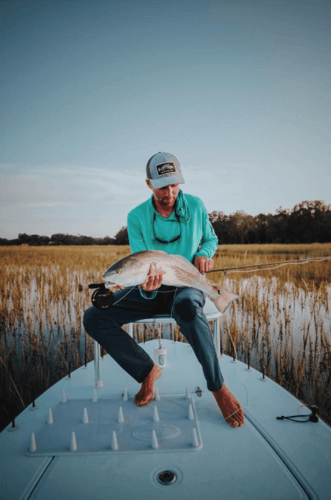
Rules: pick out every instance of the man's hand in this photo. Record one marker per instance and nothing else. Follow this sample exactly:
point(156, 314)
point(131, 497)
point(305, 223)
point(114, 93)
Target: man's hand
point(203, 264)
point(154, 279)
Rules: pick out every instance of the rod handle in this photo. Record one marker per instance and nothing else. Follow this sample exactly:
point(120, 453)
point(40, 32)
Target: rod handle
point(91, 286)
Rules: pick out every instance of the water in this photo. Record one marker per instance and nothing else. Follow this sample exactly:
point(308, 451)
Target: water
point(282, 327)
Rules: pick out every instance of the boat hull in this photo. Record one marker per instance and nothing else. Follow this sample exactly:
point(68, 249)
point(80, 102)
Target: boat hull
point(266, 458)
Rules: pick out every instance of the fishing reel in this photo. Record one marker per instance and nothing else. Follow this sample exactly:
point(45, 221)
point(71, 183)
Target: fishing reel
point(102, 298)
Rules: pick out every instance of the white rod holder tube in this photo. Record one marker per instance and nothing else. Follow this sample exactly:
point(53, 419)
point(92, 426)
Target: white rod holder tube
point(97, 365)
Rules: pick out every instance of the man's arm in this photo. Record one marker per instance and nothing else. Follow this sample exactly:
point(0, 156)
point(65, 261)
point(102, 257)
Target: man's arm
point(136, 238)
point(203, 264)
point(208, 244)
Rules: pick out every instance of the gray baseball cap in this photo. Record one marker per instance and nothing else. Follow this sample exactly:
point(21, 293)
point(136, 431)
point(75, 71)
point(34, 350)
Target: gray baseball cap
point(163, 169)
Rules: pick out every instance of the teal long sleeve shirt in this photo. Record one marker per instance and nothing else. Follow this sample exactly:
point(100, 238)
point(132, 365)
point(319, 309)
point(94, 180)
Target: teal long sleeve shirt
point(197, 235)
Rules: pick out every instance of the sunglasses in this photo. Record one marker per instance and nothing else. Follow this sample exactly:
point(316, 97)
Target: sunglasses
point(170, 241)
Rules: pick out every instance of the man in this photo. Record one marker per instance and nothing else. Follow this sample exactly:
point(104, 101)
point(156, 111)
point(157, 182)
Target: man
point(178, 224)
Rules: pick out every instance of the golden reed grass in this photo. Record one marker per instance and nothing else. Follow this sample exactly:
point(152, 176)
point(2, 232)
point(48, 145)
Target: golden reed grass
point(280, 325)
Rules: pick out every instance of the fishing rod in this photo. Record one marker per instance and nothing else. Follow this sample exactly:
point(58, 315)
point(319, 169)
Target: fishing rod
point(284, 262)
point(103, 297)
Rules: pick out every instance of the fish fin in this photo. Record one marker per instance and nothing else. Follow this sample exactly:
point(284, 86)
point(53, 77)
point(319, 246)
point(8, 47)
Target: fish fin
point(154, 270)
point(224, 299)
point(152, 267)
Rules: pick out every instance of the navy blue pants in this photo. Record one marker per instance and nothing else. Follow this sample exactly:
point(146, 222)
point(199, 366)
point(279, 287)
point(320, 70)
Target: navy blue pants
point(186, 307)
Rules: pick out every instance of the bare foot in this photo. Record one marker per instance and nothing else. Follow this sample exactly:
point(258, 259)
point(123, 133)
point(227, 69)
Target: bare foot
point(146, 392)
point(229, 406)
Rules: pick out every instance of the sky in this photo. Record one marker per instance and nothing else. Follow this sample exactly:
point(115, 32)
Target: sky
point(238, 91)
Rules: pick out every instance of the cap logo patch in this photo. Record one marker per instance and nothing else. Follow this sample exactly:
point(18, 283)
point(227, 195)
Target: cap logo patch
point(165, 168)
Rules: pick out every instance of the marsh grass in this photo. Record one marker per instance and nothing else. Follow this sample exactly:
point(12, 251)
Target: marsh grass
point(280, 325)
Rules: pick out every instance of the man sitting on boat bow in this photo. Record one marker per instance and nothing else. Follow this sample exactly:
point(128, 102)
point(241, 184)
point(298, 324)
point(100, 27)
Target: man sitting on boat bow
point(178, 224)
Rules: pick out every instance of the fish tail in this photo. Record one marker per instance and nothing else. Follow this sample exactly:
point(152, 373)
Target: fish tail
point(224, 299)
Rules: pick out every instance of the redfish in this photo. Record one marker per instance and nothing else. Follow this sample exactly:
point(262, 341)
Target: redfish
point(179, 272)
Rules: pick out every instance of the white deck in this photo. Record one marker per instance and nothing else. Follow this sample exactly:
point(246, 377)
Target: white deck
point(266, 458)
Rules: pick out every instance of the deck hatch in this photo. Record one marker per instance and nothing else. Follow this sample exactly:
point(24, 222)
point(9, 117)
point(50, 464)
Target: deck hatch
point(113, 425)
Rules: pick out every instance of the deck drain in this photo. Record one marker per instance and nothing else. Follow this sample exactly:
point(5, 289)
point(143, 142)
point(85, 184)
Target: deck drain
point(166, 477)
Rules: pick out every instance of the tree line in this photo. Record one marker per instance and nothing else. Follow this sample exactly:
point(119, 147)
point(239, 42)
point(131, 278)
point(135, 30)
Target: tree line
point(307, 222)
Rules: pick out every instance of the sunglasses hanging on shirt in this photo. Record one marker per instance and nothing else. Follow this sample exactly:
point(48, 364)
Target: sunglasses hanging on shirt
point(174, 221)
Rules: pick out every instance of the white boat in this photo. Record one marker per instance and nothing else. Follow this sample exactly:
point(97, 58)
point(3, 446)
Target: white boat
point(86, 440)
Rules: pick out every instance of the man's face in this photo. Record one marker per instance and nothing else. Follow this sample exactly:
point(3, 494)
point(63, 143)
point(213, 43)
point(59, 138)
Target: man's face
point(167, 195)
